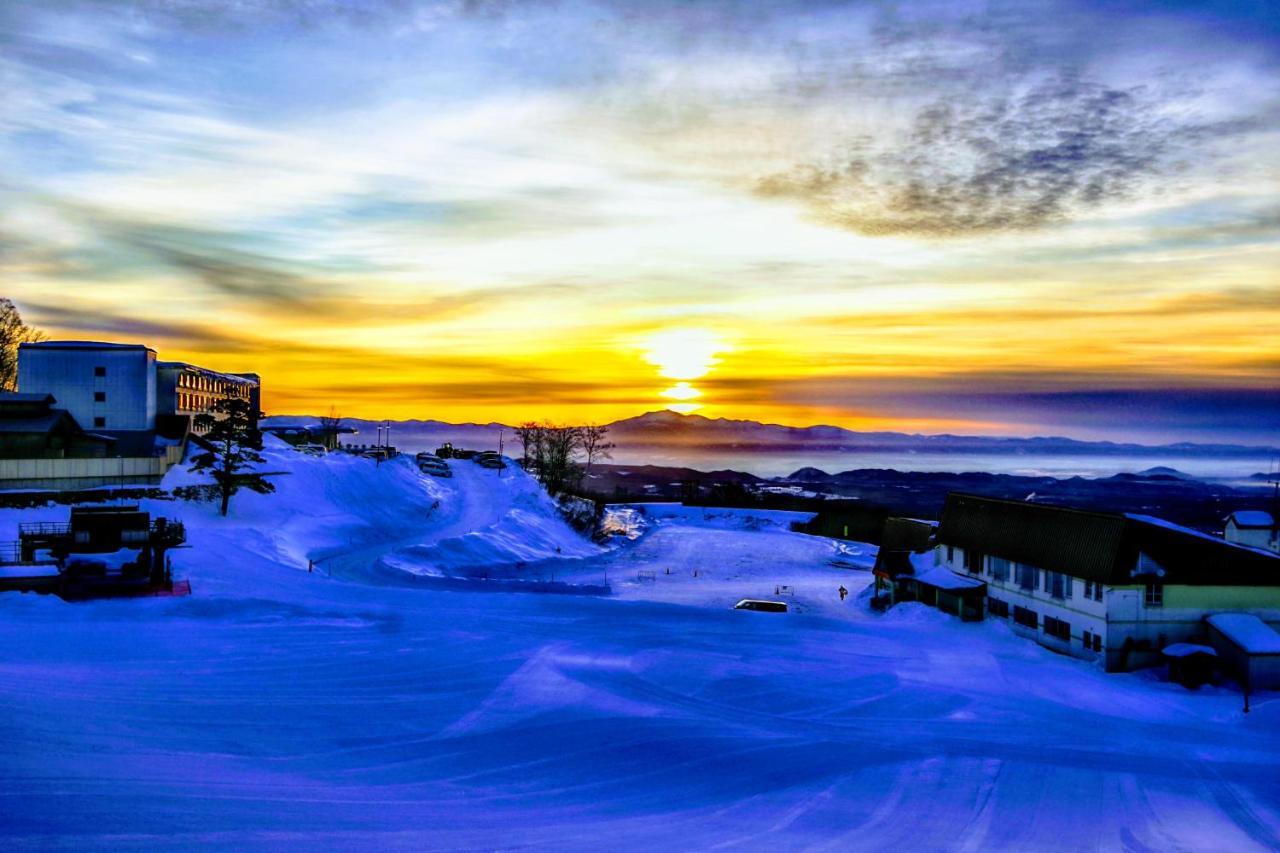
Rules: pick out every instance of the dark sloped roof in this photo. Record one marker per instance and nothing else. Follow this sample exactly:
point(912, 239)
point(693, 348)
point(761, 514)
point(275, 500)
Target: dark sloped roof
point(907, 534)
point(1084, 544)
point(42, 424)
point(1101, 546)
point(894, 563)
point(1190, 557)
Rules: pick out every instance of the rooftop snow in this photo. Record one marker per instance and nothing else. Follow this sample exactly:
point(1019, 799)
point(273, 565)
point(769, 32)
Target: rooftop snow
point(1182, 650)
point(1248, 632)
point(945, 579)
point(1252, 518)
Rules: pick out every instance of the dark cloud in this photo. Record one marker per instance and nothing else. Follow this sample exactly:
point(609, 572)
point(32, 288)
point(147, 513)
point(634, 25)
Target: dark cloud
point(994, 163)
point(117, 327)
point(1122, 407)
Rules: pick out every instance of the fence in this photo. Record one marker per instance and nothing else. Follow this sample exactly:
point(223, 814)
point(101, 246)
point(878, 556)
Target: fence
point(86, 473)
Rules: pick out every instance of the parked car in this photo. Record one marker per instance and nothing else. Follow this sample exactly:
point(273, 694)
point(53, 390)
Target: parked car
point(493, 461)
point(424, 456)
point(434, 467)
point(762, 606)
point(312, 449)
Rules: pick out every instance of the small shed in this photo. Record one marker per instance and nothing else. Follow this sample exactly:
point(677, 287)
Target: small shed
point(945, 590)
point(1248, 648)
point(1190, 664)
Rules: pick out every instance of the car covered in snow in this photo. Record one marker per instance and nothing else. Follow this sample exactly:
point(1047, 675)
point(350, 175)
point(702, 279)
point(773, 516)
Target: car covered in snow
point(311, 449)
point(434, 466)
point(490, 460)
point(761, 605)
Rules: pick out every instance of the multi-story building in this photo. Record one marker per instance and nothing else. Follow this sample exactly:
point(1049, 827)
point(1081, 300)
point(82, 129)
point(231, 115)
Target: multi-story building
point(122, 388)
point(185, 389)
point(1101, 585)
point(104, 386)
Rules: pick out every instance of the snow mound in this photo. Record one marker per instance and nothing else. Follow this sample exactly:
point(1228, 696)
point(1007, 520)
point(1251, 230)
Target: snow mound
point(356, 519)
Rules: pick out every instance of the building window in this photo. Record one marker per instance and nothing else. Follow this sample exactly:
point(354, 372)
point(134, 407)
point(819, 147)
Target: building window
point(99, 396)
point(973, 562)
point(951, 553)
point(99, 422)
point(99, 371)
point(1091, 641)
point(1097, 592)
point(1026, 576)
point(999, 568)
point(1057, 628)
point(1155, 595)
point(996, 607)
point(1026, 618)
point(1058, 585)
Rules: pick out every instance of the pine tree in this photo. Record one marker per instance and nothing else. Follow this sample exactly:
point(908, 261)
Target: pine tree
point(234, 441)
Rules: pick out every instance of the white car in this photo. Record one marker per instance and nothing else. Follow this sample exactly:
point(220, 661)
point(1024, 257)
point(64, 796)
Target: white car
point(312, 449)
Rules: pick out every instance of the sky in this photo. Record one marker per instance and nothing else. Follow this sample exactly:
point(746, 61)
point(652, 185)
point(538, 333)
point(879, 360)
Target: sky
point(1003, 218)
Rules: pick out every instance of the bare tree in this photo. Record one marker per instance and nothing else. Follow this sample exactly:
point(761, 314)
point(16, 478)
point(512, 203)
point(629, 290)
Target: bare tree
point(329, 425)
point(595, 444)
point(532, 437)
point(13, 333)
point(558, 470)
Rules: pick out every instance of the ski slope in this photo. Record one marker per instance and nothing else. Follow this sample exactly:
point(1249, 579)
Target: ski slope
point(279, 708)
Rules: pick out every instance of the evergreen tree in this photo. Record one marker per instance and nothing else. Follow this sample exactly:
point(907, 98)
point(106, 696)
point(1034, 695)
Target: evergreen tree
point(234, 441)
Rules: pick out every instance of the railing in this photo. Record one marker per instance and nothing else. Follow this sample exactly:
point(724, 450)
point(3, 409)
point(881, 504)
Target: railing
point(44, 528)
point(171, 531)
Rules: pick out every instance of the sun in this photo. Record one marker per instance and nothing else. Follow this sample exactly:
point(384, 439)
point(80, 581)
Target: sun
point(684, 354)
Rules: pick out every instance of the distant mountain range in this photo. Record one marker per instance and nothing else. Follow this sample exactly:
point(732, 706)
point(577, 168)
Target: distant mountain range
point(668, 430)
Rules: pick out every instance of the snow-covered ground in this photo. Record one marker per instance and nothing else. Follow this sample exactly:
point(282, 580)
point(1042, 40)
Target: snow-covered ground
point(356, 707)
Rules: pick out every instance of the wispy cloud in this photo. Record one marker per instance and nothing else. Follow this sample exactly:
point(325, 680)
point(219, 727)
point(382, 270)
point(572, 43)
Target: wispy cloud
point(496, 200)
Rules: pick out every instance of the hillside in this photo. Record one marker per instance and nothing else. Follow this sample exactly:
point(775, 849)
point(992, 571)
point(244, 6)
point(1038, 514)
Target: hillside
point(359, 707)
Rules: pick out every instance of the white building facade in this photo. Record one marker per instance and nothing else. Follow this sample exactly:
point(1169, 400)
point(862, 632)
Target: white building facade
point(104, 386)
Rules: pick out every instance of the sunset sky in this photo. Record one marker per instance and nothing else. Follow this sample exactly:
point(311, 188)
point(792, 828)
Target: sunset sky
point(1013, 218)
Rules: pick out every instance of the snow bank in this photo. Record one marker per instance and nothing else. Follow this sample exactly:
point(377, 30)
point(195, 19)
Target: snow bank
point(356, 519)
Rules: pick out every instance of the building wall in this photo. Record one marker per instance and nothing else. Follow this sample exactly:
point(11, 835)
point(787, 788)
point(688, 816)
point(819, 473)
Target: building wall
point(127, 388)
point(1133, 630)
point(1260, 672)
point(1080, 613)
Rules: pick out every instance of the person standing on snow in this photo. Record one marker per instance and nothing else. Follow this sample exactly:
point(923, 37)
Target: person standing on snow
point(843, 592)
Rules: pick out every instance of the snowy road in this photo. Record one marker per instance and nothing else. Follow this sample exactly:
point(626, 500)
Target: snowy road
point(276, 709)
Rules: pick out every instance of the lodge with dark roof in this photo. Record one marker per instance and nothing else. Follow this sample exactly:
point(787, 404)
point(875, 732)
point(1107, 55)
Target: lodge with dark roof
point(1102, 585)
